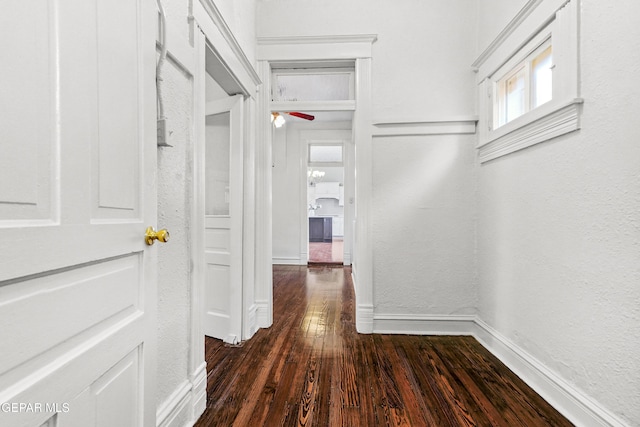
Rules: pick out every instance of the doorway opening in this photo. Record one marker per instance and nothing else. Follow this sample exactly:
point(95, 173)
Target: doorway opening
point(223, 203)
point(325, 202)
point(313, 170)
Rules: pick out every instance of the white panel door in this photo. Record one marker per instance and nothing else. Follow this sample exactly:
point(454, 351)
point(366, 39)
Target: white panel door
point(223, 219)
point(77, 190)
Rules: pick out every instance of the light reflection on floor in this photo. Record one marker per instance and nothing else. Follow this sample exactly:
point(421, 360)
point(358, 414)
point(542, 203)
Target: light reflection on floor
point(324, 304)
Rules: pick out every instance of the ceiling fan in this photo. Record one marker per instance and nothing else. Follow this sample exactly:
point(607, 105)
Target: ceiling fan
point(278, 120)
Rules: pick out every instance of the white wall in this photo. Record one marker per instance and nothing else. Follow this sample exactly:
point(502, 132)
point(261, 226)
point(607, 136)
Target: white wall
point(493, 16)
point(424, 225)
point(422, 56)
point(175, 182)
point(421, 72)
point(174, 194)
point(240, 16)
point(287, 203)
point(559, 227)
point(289, 183)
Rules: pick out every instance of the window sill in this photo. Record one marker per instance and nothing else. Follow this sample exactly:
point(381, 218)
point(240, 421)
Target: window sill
point(540, 125)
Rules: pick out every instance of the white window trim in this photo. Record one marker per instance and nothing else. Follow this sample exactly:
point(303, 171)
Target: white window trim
point(559, 21)
point(513, 67)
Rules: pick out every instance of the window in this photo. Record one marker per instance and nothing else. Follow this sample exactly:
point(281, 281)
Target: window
point(525, 87)
point(313, 85)
point(320, 153)
point(528, 83)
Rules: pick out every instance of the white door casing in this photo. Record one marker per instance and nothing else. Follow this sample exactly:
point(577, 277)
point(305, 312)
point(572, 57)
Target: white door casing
point(77, 191)
point(311, 49)
point(223, 219)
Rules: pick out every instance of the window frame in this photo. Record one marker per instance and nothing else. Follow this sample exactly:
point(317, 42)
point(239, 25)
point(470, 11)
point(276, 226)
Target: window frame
point(499, 80)
point(555, 20)
point(312, 72)
point(311, 144)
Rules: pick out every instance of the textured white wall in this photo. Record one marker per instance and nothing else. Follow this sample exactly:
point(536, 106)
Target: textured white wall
point(559, 227)
point(421, 71)
point(493, 16)
point(421, 59)
point(240, 16)
point(424, 225)
point(174, 198)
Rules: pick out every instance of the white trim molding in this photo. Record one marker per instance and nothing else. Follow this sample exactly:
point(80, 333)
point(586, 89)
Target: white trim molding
point(199, 391)
point(520, 17)
point(197, 364)
point(175, 410)
point(569, 401)
point(263, 314)
point(186, 403)
point(179, 51)
point(559, 121)
point(533, 16)
point(559, 21)
point(288, 261)
point(252, 325)
point(417, 324)
point(450, 126)
point(357, 50)
point(331, 47)
point(364, 318)
point(226, 46)
point(346, 105)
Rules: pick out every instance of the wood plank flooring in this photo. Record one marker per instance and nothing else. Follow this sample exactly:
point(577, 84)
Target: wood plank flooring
point(311, 368)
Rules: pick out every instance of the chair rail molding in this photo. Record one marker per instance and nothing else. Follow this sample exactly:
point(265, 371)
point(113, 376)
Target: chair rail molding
point(435, 126)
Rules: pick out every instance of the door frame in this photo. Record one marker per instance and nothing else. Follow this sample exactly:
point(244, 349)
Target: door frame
point(357, 48)
point(234, 105)
point(210, 31)
point(347, 179)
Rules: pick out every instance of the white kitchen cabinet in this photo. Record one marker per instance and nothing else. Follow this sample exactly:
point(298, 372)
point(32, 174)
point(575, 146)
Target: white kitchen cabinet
point(338, 226)
point(328, 190)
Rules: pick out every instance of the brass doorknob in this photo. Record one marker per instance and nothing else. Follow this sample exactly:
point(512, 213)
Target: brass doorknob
point(150, 236)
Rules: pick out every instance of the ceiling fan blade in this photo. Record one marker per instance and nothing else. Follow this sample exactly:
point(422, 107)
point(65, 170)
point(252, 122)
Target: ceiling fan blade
point(301, 115)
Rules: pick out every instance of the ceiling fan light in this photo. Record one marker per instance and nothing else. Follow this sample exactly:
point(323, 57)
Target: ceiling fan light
point(278, 121)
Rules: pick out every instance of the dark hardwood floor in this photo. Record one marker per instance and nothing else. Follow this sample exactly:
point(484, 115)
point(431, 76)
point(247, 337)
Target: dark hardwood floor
point(311, 368)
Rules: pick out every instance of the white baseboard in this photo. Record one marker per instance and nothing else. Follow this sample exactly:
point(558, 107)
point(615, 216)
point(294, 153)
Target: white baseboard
point(263, 315)
point(414, 324)
point(175, 411)
point(252, 325)
point(199, 391)
point(287, 261)
point(569, 401)
point(347, 258)
point(364, 312)
point(186, 403)
point(364, 318)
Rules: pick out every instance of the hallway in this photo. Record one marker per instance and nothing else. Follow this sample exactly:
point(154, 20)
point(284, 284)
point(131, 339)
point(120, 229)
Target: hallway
point(312, 368)
point(326, 252)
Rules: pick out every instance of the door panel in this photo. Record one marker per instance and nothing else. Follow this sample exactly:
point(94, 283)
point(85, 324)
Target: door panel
point(77, 190)
point(223, 219)
point(29, 158)
point(116, 191)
